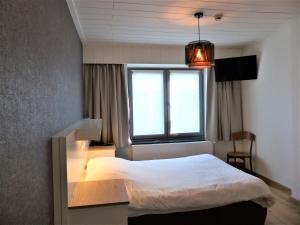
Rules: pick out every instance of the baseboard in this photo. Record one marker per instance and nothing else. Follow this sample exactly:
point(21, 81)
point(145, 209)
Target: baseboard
point(280, 187)
point(275, 184)
point(296, 197)
point(295, 201)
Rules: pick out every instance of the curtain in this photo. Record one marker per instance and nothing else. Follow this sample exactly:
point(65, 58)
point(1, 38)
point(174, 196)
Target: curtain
point(211, 133)
point(105, 97)
point(229, 109)
point(224, 108)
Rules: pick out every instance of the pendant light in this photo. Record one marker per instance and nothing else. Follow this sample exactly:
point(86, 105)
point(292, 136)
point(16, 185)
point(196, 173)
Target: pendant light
point(199, 54)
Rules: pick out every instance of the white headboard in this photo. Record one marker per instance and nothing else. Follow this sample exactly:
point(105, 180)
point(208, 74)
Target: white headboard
point(69, 158)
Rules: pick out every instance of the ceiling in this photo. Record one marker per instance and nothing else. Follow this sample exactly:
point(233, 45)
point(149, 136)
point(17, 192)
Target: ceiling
point(172, 22)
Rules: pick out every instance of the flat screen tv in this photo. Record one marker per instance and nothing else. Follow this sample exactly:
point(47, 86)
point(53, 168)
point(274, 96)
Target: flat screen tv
point(237, 68)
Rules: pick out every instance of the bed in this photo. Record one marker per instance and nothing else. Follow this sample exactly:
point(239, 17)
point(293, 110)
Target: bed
point(186, 190)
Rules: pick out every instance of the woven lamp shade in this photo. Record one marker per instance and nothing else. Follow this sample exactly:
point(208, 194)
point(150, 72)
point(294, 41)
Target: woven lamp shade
point(199, 54)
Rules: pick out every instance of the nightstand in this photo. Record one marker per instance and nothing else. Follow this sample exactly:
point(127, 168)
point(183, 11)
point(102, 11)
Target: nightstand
point(102, 151)
point(99, 202)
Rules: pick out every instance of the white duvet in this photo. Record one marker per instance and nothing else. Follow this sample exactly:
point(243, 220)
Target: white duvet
point(181, 184)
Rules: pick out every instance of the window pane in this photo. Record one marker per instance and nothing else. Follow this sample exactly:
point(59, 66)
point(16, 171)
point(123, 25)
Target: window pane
point(148, 102)
point(184, 102)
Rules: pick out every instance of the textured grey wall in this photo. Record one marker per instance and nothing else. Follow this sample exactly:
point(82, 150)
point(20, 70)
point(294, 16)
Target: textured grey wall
point(40, 94)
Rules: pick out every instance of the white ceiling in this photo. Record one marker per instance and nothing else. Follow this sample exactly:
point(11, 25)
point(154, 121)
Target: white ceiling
point(172, 22)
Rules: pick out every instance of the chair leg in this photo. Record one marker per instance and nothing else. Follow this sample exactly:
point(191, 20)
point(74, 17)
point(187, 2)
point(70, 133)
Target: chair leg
point(244, 163)
point(234, 162)
point(227, 159)
point(251, 168)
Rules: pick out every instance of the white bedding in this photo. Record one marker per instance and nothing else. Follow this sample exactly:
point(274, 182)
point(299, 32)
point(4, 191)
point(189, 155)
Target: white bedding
point(181, 184)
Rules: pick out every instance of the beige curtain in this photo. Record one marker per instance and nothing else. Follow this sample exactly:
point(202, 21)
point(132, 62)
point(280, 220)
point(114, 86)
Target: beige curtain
point(105, 97)
point(211, 133)
point(224, 108)
point(229, 109)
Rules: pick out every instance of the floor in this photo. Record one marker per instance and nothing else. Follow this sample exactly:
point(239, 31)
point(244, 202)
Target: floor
point(285, 211)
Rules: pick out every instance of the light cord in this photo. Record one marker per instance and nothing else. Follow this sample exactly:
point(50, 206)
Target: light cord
point(199, 27)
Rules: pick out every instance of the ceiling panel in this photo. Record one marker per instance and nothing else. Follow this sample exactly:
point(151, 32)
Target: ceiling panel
point(172, 22)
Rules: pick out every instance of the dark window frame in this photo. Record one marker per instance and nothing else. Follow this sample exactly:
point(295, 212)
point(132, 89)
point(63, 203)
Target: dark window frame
point(167, 137)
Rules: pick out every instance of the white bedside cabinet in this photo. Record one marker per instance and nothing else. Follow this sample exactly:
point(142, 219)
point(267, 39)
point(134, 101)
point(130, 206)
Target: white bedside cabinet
point(102, 151)
point(100, 202)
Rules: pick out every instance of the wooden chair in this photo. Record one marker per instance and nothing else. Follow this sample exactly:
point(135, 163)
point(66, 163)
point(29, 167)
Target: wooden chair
point(238, 136)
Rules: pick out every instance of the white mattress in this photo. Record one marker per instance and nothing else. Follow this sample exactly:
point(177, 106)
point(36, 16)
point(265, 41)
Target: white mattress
point(181, 184)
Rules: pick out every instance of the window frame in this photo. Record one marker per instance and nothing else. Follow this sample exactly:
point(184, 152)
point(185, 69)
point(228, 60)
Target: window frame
point(166, 137)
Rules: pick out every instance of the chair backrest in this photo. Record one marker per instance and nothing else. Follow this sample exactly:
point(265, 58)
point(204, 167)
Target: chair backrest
point(243, 135)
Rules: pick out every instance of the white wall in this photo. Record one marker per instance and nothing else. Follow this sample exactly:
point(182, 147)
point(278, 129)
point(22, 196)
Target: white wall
point(147, 54)
point(151, 54)
point(271, 106)
point(171, 150)
point(144, 54)
point(297, 193)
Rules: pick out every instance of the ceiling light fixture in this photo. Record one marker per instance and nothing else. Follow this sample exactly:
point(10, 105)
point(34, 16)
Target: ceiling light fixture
point(199, 54)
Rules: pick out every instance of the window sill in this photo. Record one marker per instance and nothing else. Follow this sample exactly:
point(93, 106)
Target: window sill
point(145, 142)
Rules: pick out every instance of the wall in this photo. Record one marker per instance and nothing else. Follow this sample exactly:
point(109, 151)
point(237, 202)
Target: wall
point(170, 150)
point(40, 94)
point(271, 106)
point(148, 54)
point(297, 194)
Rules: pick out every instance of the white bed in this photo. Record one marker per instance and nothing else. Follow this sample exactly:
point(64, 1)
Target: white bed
point(181, 184)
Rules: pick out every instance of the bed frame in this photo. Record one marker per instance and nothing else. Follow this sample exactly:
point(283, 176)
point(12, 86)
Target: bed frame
point(242, 213)
point(70, 155)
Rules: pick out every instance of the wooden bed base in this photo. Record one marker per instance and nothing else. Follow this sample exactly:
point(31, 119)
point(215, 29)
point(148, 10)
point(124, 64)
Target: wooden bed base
point(245, 213)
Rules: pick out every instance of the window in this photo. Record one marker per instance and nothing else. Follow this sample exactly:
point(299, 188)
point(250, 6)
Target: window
point(148, 103)
point(166, 105)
